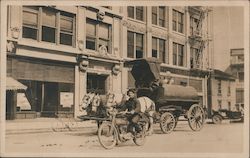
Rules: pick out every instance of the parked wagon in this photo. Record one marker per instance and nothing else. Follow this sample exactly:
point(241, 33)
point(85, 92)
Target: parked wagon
point(175, 101)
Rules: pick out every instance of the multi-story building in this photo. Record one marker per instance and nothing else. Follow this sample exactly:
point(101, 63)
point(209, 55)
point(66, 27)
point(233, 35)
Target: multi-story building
point(236, 68)
point(60, 53)
point(221, 91)
point(177, 36)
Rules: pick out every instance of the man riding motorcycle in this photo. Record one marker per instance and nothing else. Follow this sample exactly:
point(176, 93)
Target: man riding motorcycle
point(133, 107)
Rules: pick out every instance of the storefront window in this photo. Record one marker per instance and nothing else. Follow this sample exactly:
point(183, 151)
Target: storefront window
point(22, 102)
point(66, 94)
point(46, 97)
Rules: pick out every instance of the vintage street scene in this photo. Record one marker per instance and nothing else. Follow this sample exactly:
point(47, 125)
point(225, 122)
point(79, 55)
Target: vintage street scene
point(125, 80)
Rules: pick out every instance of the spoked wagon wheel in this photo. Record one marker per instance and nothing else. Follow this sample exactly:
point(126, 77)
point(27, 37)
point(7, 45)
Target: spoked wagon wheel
point(107, 135)
point(167, 122)
point(196, 117)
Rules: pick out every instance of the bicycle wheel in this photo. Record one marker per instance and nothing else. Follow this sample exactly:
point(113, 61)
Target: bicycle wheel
point(71, 124)
point(140, 138)
point(57, 126)
point(107, 135)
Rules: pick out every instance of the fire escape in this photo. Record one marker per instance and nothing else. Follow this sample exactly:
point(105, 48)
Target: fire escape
point(196, 38)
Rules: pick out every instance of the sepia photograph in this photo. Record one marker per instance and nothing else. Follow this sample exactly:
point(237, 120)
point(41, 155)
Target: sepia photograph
point(124, 79)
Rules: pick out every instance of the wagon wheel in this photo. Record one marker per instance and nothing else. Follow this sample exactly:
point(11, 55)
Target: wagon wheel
point(196, 117)
point(167, 122)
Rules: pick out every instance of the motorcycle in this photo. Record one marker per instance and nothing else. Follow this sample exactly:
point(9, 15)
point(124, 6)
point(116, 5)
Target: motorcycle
point(117, 130)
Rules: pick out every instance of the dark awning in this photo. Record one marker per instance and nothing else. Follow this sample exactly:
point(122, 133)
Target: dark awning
point(12, 84)
point(145, 69)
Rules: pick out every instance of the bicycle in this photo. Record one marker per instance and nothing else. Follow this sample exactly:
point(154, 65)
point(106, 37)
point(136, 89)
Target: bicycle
point(116, 130)
point(64, 123)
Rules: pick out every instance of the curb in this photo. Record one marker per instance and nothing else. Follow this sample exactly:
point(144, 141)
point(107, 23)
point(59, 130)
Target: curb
point(44, 130)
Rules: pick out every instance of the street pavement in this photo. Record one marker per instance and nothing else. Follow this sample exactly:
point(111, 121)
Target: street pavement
point(223, 138)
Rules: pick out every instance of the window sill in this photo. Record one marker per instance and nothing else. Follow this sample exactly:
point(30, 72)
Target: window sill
point(178, 33)
point(177, 67)
point(49, 46)
point(95, 54)
point(159, 27)
point(137, 21)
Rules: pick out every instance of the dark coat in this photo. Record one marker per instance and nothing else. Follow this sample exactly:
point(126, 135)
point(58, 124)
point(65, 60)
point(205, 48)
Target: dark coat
point(131, 104)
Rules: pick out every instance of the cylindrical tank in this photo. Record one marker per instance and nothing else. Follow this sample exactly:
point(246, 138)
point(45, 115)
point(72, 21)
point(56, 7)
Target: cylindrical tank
point(179, 92)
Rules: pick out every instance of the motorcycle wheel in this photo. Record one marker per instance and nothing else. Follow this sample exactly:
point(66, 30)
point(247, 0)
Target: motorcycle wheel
point(107, 135)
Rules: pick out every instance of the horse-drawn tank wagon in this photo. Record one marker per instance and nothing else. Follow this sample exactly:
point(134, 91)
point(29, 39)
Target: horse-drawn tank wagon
point(172, 101)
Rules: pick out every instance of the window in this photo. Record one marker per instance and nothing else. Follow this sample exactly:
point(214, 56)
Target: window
point(158, 16)
point(154, 15)
point(240, 58)
point(139, 13)
point(66, 29)
point(193, 25)
point(98, 34)
point(49, 25)
point(30, 22)
point(239, 96)
point(229, 105)
point(178, 54)
point(219, 104)
point(194, 58)
point(178, 21)
point(241, 76)
point(162, 16)
point(158, 49)
point(229, 89)
point(96, 83)
point(134, 45)
point(219, 87)
point(131, 12)
point(162, 50)
point(136, 12)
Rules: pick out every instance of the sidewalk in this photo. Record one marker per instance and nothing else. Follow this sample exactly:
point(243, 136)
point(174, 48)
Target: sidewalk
point(40, 125)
